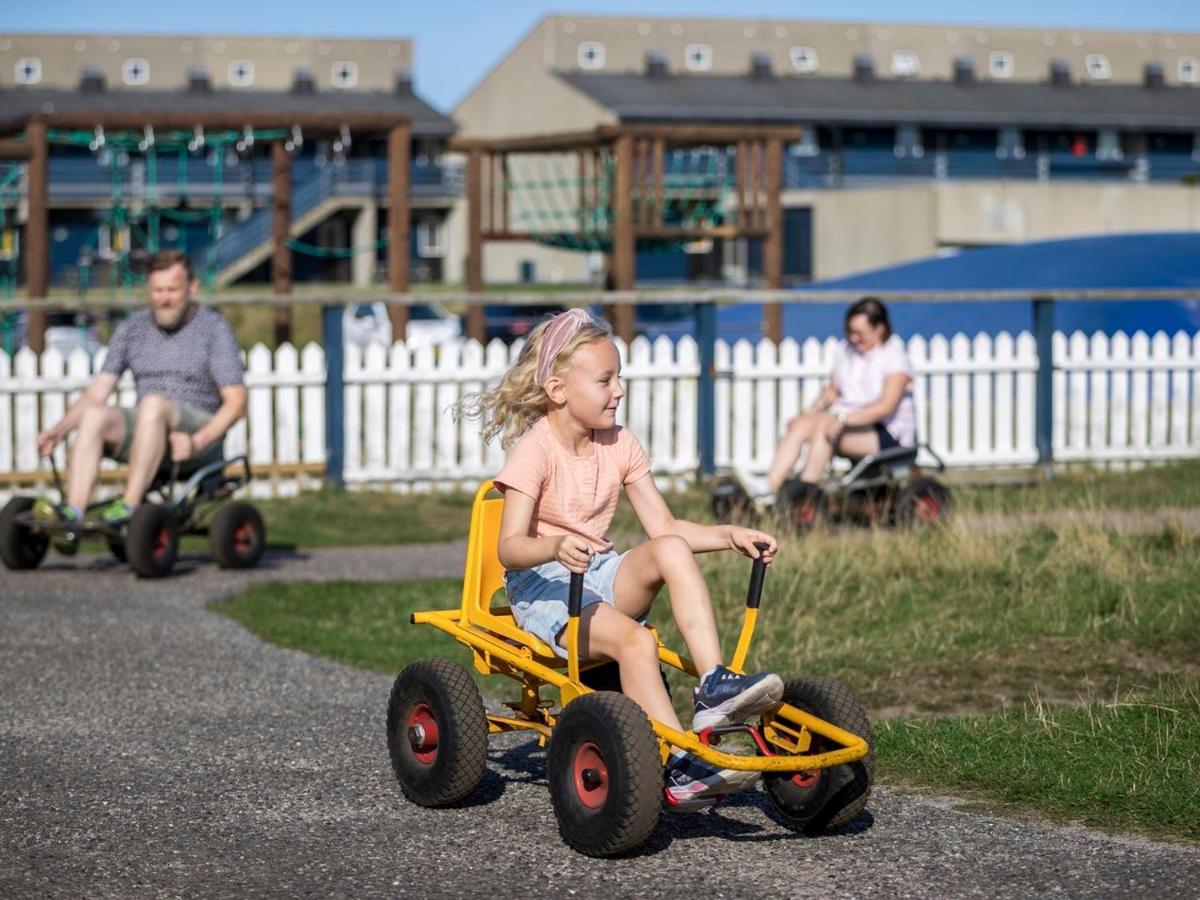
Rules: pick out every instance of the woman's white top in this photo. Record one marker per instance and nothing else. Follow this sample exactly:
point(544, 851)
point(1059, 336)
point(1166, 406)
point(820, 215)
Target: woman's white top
point(859, 379)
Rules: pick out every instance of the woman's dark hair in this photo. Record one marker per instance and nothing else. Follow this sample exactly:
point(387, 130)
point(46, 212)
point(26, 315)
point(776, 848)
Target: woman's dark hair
point(875, 311)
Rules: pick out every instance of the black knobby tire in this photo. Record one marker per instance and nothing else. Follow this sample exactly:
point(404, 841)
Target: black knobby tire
point(443, 762)
point(802, 506)
point(825, 799)
point(152, 540)
point(924, 502)
point(616, 808)
point(731, 504)
point(20, 546)
point(237, 535)
point(116, 547)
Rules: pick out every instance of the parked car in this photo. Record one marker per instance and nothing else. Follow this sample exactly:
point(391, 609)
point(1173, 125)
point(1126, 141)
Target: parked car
point(428, 323)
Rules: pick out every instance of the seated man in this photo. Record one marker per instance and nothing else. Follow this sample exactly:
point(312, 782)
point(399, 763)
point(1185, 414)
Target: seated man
point(190, 388)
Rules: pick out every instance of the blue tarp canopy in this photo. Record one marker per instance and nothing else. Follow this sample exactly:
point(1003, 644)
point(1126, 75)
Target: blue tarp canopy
point(1154, 261)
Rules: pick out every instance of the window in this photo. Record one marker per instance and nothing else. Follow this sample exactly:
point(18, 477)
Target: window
point(1001, 64)
point(1097, 67)
point(908, 142)
point(807, 145)
point(431, 242)
point(135, 71)
point(1108, 145)
point(28, 70)
point(344, 74)
point(1010, 144)
point(697, 57)
point(804, 59)
point(1189, 70)
point(905, 63)
point(241, 72)
point(591, 55)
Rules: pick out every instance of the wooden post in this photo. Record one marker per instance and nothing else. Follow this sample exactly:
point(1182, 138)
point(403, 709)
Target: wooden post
point(773, 244)
point(660, 187)
point(37, 248)
point(398, 151)
point(624, 259)
point(475, 241)
point(281, 226)
point(740, 170)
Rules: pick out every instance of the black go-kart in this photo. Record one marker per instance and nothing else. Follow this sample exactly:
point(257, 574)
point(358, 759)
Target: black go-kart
point(884, 488)
point(149, 541)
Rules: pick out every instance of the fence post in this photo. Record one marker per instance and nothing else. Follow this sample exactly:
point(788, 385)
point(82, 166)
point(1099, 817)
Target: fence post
point(1043, 332)
point(335, 395)
point(706, 394)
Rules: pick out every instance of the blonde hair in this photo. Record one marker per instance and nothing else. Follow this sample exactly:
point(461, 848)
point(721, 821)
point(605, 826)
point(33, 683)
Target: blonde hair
point(508, 409)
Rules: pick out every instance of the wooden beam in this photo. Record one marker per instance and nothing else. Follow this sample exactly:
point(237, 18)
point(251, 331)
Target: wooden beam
point(537, 143)
point(281, 225)
point(278, 117)
point(699, 135)
point(399, 146)
point(773, 248)
point(14, 149)
point(37, 225)
point(624, 259)
point(475, 328)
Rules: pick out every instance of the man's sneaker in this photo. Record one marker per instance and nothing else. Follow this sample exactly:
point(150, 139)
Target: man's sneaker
point(692, 784)
point(725, 697)
point(65, 542)
point(115, 512)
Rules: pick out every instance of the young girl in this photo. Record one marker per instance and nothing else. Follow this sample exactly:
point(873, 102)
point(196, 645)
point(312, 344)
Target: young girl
point(556, 409)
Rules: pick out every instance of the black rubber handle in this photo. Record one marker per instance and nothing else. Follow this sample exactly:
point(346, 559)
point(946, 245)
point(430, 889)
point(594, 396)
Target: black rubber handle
point(575, 598)
point(758, 572)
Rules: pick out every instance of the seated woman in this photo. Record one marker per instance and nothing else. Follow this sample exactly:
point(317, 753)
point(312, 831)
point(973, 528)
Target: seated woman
point(867, 405)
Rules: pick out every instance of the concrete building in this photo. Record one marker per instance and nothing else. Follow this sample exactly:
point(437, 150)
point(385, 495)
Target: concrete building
point(214, 199)
point(920, 138)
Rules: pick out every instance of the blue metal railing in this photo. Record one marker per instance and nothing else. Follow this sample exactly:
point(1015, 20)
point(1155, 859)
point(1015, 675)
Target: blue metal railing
point(83, 178)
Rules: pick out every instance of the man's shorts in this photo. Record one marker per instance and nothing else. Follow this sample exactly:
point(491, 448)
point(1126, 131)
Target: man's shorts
point(191, 420)
point(538, 596)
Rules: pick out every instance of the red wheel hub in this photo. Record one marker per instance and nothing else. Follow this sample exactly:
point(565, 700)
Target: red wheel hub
point(162, 542)
point(928, 509)
point(243, 537)
point(423, 733)
point(806, 779)
point(590, 775)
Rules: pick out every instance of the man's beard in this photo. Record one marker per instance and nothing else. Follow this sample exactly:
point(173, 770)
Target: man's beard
point(179, 320)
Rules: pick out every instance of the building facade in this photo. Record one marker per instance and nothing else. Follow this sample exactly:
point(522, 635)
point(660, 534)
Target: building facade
point(920, 138)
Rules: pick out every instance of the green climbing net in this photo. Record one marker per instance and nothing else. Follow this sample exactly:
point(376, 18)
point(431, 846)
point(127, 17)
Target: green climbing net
point(136, 213)
point(563, 204)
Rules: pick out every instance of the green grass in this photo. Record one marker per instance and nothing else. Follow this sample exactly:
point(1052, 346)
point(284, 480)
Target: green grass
point(1176, 484)
point(333, 518)
point(1128, 764)
point(362, 624)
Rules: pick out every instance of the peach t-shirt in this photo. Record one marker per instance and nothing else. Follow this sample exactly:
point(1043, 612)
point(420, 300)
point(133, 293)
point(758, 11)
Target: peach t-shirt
point(573, 494)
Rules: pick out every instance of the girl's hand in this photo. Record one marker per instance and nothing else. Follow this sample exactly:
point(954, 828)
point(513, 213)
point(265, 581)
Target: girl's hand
point(573, 552)
point(743, 540)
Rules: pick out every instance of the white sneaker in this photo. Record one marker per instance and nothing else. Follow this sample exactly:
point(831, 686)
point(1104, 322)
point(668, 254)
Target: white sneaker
point(691, 782)
point(756, 486)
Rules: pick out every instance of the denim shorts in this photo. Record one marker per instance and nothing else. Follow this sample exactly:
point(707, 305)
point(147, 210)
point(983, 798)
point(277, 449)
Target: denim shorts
point(538, 596)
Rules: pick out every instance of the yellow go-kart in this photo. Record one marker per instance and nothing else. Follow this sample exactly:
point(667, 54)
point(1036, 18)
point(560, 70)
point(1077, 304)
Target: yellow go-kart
point(605, 758)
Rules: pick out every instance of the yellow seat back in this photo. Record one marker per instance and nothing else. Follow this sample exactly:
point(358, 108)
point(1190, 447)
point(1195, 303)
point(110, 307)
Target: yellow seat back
point(484, 575)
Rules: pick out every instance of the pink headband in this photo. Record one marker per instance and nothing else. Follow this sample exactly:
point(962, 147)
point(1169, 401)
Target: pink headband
point(557, 335)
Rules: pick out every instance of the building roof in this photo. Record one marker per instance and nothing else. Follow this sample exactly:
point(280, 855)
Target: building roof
point(18, 105)
point(790, 99)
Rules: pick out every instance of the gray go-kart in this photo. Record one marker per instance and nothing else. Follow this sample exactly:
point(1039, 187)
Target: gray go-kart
point(149, 541)
point(885, 488)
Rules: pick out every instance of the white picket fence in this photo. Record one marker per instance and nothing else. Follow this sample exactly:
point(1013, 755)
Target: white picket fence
point(1116, 400)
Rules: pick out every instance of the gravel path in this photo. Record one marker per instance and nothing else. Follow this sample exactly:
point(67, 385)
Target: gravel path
point(149, 747)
